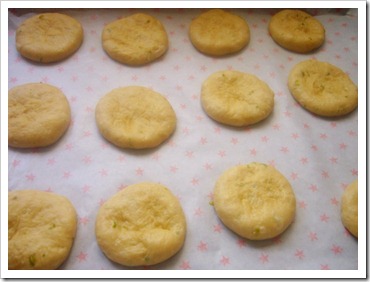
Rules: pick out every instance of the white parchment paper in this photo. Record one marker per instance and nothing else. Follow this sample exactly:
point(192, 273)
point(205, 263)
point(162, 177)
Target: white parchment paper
point(317, 155)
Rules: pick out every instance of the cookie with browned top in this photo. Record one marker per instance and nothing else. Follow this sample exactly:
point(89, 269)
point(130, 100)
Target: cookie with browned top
point(135, 40)
point(218, 32)
point(322, 88)
point(49, 37)
point(296, 31)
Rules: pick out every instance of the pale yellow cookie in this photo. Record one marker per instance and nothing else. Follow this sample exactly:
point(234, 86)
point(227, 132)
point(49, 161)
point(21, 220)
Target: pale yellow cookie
point(135, 117)
point(41, 229)
point(217, 32)
point(296, 31)
point(349, 208)
point(322, 88)
point(236, 98)
point(135, 40)
point(49, 37)
point(255, 201)
point(143, 224)
point(38, 115)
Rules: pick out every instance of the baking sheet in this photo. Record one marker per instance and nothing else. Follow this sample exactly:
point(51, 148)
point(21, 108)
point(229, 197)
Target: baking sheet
point(317, 155)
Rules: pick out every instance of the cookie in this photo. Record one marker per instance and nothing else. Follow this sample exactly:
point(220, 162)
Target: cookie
point(135, 40)
point(217, 32)
point(236, 98)
point(322, 88)
point(296, 31)
point(135, 117)
point(349, 208)
point(255, 201)
point(41, 229)
point(38, 115)
point(49, 37)
point(143, 224)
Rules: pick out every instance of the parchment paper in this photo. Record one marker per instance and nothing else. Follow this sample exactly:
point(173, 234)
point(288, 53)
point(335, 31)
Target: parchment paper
point(317, 155)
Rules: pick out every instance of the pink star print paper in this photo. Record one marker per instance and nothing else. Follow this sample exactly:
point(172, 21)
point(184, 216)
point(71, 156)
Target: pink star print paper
point(318, 156)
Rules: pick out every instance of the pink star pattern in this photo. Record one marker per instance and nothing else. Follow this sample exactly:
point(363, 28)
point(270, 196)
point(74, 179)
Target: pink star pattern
point(302, 204)
point(30, 177)
point(16, 163)
point(313, 236)
point(202, 246)
point(217, 228)
point(84, 220)
point(299, 254)
point(315, 154)
point(337, 250)
point(334, 201)
point(225, 260)
point(198, 212)
point(324, 218)
point(185, 265)
point(313, 188)
point(82, 256)
point(139, 171)
point(324, 267)
point(264, 258)
point(241, 243)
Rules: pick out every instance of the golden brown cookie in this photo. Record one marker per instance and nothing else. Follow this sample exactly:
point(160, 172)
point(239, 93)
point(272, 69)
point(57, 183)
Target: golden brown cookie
point(41, 229)
point(49, 37)
point(217, 32)
point(322, 88)
point(296, 31)
point(38, 115)
point(135, 40)
point(143, 224)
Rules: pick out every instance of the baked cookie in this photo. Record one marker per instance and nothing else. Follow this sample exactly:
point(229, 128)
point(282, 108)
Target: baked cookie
point(143, 224)
point(322, 88)
point(135, 117)
point(135, 40)
point(296, 31)
point(255, 201)
point(49, 37)
point(236, 98)
point(38, 115)
point(349, 208)
point(218, 33)
point(41, 229)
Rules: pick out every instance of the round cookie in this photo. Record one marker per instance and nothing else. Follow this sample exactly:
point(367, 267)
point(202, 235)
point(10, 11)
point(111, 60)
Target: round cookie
point(322, 88)
point(41, 229)
point(38, 115)
point(218, 33)
point(49, 37)
point(135, 117)
point(135, 40)
point(143, 224)
point(236, 98)
point(349, 208)
point(296, 31)
point(255, 201)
